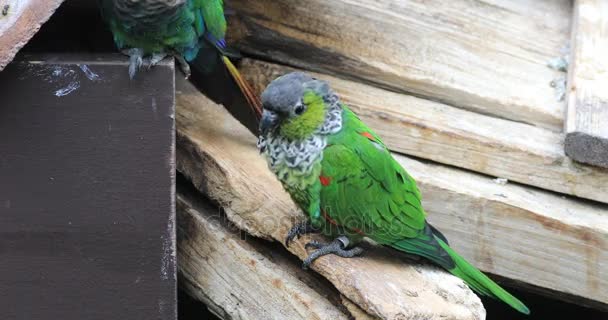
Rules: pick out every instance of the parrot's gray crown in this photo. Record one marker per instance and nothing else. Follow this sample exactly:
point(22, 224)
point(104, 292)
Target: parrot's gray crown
point(282, 99)
point(286, 92)
point(283, 103)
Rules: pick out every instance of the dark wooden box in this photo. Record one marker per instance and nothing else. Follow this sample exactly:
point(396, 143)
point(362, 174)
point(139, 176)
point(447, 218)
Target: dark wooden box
point(87, 170)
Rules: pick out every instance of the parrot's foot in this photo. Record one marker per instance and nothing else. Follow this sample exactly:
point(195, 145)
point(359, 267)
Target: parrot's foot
point(154, 59)
point(299, 229)
point(135, 60)
point(337, 247)
point(183, 65)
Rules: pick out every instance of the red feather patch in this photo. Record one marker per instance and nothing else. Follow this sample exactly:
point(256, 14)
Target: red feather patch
point(368, 135)
point(325, 181)
point(332, 221)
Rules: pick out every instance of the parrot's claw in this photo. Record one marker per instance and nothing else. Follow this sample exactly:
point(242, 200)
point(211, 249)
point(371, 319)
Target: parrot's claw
point(300, 228)
point(135, 60)
point(154, 59)
point(183, 65)
point(337, 247)
point(314, 244)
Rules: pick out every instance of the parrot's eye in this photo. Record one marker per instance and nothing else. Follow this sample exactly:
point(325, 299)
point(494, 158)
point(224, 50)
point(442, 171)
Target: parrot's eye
point(299, 109)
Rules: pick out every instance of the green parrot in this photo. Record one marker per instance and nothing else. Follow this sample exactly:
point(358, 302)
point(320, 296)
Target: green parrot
point(344, 178)
point(191, 30)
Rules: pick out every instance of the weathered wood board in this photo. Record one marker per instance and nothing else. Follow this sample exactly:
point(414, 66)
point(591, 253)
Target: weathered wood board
point(19, 21)
point(587, 118)
point(487, 56)
point(457, 137)
point(355, 311)
point(219, 156)
point(239, 277)
point(508, 230)
point(87, 169)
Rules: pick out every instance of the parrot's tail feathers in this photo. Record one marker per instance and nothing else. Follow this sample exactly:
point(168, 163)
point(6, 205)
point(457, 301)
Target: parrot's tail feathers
point(479, 281)
point(438, 234)
point(250, 96)
point(426, 245)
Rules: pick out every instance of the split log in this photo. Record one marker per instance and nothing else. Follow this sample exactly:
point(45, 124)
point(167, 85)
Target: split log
point(240, 278)
point(508, 230)
point(355, 311)
point(19, 21)
point(219, 156)
point(485, 56)
point(587, 118)
point(456, 137)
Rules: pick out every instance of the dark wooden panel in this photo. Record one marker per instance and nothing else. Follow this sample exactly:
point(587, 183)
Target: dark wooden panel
point(86, 190)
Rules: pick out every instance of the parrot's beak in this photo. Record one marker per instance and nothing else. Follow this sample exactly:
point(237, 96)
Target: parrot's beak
point(269, 120)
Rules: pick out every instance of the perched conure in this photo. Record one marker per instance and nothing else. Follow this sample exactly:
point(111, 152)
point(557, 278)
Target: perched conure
point(343, 177)
point(190, 30)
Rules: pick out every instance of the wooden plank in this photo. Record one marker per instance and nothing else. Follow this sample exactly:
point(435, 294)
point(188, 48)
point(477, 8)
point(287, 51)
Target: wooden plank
point(587, 118)
point(355, 311)
point(456, 137)
point(87, 193)
point(485, 56)
point(509, 230)
point(19, 21)
point(219, 156)
point(239, 277)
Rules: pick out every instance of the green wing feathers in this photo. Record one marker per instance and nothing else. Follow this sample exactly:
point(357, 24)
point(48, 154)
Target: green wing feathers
point(182, 28)
point(213, 14)
point(370, 191)
point(426, 245)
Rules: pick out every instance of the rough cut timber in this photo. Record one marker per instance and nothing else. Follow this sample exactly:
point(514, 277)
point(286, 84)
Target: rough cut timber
point(19, 21)
point(486, 56)
point(431, 130)
point(355, 311)
point(508, 230)
point(587, 117)
point(219, 156)
point(240, 278)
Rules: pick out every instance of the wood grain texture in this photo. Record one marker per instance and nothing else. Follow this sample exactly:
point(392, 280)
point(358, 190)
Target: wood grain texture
point(431, 130)
point(508, 230)
point(241, 278)
point(19, 21)
point(485, 56)
point(87, 216)
point(355, 311)
point(219, 156)
point(587, 118)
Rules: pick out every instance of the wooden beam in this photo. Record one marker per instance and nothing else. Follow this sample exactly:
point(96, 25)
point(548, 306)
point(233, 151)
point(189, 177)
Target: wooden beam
point(19, 21)
point(239, 277)
point(587, 117)
point(355, 311)
point(508, 230)
point(431, 130)
point(87, 227)
point(485, 56)
point(219, 156)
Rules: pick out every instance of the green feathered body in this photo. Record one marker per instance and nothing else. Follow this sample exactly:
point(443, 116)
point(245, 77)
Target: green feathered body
point(191, 30)
point(348, 183)
point(166, 26)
